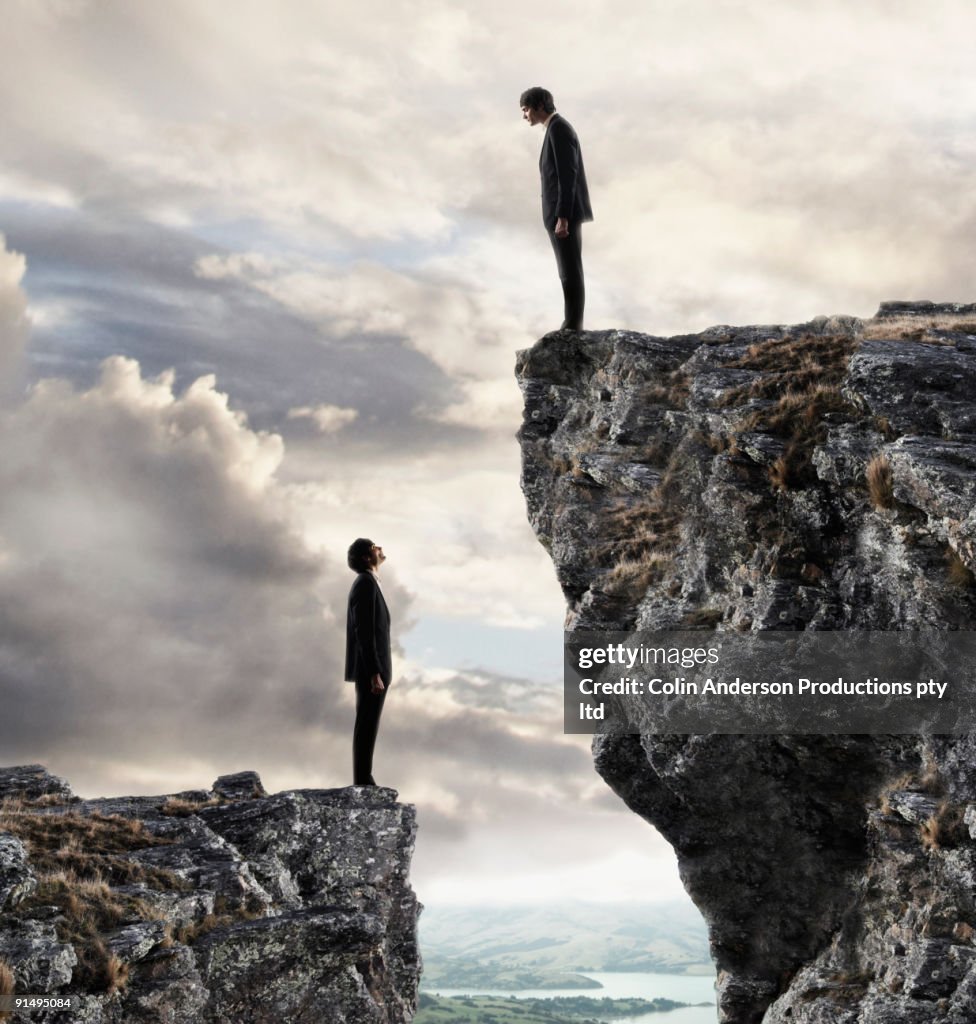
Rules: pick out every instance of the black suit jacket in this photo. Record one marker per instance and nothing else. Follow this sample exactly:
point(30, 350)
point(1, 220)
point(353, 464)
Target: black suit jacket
point(367, 632)
point(564, 190)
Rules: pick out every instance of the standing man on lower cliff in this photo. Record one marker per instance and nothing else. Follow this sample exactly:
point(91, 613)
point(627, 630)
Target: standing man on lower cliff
point(565, 198)
point(368, 661)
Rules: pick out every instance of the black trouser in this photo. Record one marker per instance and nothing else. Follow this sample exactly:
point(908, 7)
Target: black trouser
point(369, 707)
point(569, 261)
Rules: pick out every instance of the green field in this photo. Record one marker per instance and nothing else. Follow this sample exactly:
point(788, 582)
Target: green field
point(508, 1010)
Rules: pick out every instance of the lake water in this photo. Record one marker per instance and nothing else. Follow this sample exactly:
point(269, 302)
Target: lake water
point(616, 985)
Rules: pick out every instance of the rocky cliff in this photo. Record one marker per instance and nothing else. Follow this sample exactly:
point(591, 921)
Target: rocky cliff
point(809, 477)
point(220, 906)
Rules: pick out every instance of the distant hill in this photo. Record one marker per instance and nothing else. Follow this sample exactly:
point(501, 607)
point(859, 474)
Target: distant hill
point(564, 1010)
point(669, 938)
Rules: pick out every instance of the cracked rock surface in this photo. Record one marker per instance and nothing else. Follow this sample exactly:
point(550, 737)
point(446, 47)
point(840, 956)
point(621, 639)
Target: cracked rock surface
point(219, 906)
point(815, 476)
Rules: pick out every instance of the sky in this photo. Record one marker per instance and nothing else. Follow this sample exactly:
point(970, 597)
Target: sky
point(263, 273)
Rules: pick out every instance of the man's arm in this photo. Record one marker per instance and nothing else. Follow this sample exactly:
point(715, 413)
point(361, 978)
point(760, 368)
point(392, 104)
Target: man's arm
point(362, 604)
point(566, 156)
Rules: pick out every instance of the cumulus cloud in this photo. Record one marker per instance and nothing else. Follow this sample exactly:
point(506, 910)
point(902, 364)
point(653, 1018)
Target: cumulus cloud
point(462, 327)
point(157, 589)
point(165, 618)
point(328, 419)
point(157, 599)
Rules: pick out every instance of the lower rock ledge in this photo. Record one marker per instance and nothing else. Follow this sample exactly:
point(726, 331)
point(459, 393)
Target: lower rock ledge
point(219, 906)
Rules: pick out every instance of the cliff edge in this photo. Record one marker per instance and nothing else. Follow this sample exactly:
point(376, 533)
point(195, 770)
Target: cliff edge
point(820, 476)
point(219, 906)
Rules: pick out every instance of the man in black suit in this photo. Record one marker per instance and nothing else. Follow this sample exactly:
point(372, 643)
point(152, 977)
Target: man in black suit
point(565, 197)
point(368, 661)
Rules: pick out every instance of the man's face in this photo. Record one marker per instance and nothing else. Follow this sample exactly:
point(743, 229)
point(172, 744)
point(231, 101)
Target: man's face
point(376, 556)
point(534, 115)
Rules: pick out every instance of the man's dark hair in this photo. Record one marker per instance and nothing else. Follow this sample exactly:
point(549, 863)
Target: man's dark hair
point(359, 551)
point(537, 97)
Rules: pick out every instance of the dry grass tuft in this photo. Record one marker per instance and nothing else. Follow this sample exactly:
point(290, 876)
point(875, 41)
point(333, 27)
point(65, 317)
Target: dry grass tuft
point(634, 576)
point(798, 363)
point(798, 413)
point(963, 932)
point(931, 779)
point(175, 807)
point(798, 417)
point(116, 974)
point(89, 908)
point(672, 392)
point(702, 618)
point(189, 933)
point(883, 426)
point(960, 575)
point(86, 845)
point(644, 535)
point(945, 829)
point(657, 452)
point(929, 330)
point(800, 386)
point(780, 474)
point(881, 483)
point(715, 443)
point(77, 859)
point(8, 985)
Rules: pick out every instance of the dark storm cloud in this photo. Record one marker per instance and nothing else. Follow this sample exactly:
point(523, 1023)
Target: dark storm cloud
point(152, 593)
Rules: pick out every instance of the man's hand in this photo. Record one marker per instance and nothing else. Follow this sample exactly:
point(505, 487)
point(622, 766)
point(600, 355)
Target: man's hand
point(562, 228)
point(376, 684)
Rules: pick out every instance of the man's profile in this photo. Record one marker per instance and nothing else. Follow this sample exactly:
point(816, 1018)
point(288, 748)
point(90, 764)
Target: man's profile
point(565, 197)
point(368, 661)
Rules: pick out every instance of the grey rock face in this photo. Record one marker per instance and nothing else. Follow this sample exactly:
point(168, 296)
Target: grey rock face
point(239, 786)
point(32, 782)
point(820, 476)
point(203, 860)
point(236, 908)
point(41, 962)
point(16, 878)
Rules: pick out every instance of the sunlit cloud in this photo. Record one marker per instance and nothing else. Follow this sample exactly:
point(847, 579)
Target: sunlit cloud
point(328, 419)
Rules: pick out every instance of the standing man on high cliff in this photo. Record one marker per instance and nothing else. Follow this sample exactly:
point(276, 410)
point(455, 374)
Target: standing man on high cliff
point(565, 198)
point(369, 663)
